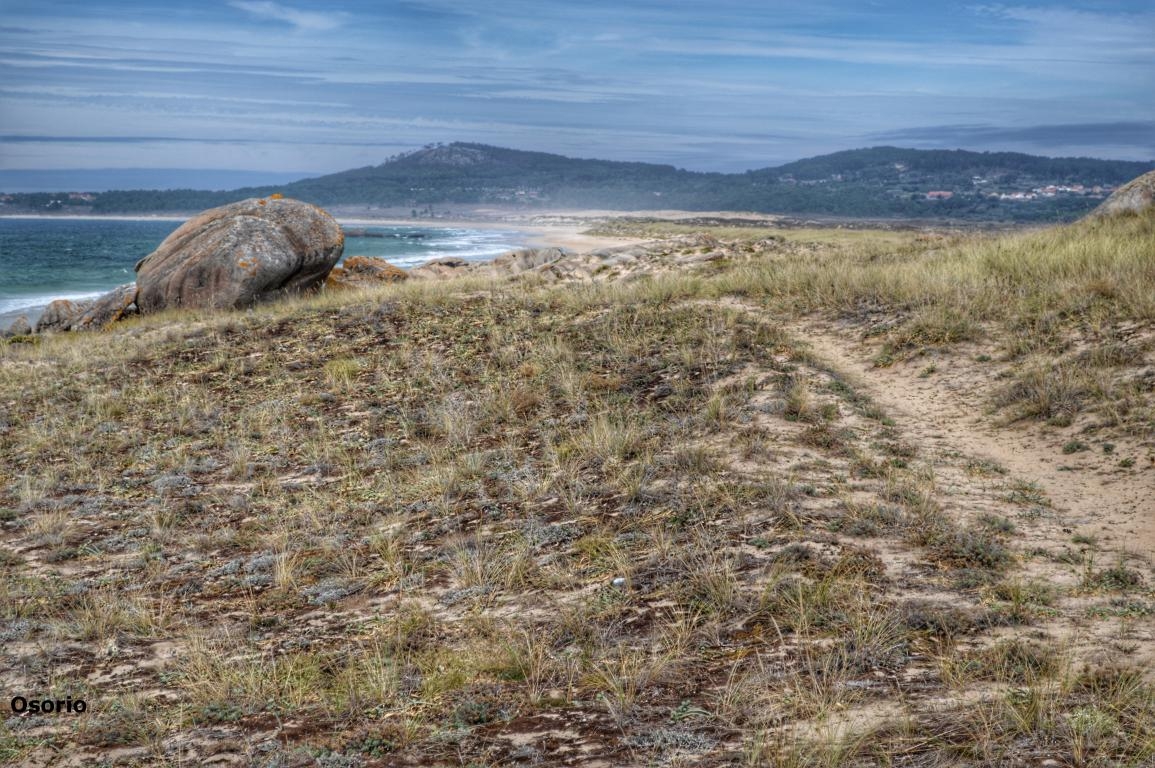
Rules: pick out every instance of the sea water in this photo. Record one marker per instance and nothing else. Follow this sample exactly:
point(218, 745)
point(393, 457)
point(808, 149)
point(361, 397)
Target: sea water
point(43, 258)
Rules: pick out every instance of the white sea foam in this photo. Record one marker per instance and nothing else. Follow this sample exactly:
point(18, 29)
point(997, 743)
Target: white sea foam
point(474, 245)
point(33, 306)
point(18, 304)
point(440, 243)
point(476, 254)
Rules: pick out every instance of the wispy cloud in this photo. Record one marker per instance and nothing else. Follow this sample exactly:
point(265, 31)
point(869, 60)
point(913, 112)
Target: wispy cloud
point(25, 139)
point(86, 94)
point(1129, 134)
point(725, 85)
point(542, 94)
point(307, 21)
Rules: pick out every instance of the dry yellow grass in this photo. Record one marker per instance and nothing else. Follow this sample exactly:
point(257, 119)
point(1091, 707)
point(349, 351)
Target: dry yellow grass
point(487, 522)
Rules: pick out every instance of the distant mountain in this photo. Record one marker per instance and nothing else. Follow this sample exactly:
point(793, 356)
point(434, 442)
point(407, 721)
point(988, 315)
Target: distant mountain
point(476, 173)
point(893, 163)
point(874, 182)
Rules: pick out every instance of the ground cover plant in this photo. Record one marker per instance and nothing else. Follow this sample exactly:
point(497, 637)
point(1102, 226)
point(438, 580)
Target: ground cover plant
point(625, 522)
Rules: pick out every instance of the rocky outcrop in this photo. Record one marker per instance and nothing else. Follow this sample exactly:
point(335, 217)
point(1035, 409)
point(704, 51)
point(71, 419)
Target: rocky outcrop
point(19, 327)
point(112, 306)
point(363, 272)
point(507, 265)
point(239, 255)
point(516, 262)
point(624, 262)
point(441, 269)
point(1135, 196)
point(61, 315)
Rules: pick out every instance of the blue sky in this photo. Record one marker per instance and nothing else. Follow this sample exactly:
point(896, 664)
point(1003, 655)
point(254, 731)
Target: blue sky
point(314, 87)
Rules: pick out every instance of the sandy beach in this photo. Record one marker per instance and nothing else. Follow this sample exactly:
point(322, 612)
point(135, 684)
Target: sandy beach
point(570, 235)
point(547, 229)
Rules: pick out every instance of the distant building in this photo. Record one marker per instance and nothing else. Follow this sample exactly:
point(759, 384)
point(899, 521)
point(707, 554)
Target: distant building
point(939, 195)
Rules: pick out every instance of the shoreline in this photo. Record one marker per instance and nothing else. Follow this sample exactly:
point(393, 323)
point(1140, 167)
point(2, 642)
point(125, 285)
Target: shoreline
point(569, 220)
point(569, 236)
point(568, 233)
point(540, 235)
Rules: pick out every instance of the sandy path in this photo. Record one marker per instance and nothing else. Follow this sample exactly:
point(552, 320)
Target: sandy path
point(949, 411)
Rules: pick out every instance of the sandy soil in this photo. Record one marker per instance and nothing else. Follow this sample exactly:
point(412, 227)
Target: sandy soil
point(1089, 509)
point(936, 420)
point(1088, 491)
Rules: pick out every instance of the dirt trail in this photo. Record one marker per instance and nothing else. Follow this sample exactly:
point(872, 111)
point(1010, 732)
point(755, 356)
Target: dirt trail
point(947, 409)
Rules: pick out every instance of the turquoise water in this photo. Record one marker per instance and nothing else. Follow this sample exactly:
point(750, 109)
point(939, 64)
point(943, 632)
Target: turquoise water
point(42, 259)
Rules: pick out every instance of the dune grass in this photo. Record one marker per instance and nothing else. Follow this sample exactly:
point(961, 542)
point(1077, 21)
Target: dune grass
point(485, 522)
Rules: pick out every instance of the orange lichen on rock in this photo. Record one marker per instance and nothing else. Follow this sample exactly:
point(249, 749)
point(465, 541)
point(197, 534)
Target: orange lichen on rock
point(240, 254)
point(363, 271)
point(61, 314)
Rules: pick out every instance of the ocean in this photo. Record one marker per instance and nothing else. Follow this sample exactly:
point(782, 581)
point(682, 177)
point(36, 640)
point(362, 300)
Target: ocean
point(42, 259)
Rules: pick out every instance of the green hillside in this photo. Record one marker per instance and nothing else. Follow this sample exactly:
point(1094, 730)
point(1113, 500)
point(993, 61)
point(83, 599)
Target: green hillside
point(875, 182)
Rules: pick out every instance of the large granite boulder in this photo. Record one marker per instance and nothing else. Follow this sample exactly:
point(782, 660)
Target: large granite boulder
point(362, 272)
point(239, 255)
point(61, 315)
point(1135, 196)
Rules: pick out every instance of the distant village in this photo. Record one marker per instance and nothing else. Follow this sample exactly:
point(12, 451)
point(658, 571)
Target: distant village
point(875, 182)
point(70, 199)
point(1097, 191)
point(981, 187)
point(907, 183)
point(1051, 190)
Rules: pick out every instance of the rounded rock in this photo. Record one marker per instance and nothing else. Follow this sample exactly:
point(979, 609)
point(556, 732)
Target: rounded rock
point(20, 327)
point(240, 254)
point(1136, 196)
point(112, 306)
point(61, 315)
point(364, 271)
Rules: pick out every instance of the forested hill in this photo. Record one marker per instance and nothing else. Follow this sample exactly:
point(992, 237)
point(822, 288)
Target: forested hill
point(880, 181)
point(947, 165)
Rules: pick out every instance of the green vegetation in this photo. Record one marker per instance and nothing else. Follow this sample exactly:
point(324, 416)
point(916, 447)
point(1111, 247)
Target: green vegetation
point(878, 182)
point(481, 522)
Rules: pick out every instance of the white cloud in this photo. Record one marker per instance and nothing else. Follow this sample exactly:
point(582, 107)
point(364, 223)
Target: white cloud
point(307, 21)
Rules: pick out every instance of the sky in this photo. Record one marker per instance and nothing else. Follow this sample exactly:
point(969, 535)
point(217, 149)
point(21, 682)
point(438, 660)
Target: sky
point(309, 87)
